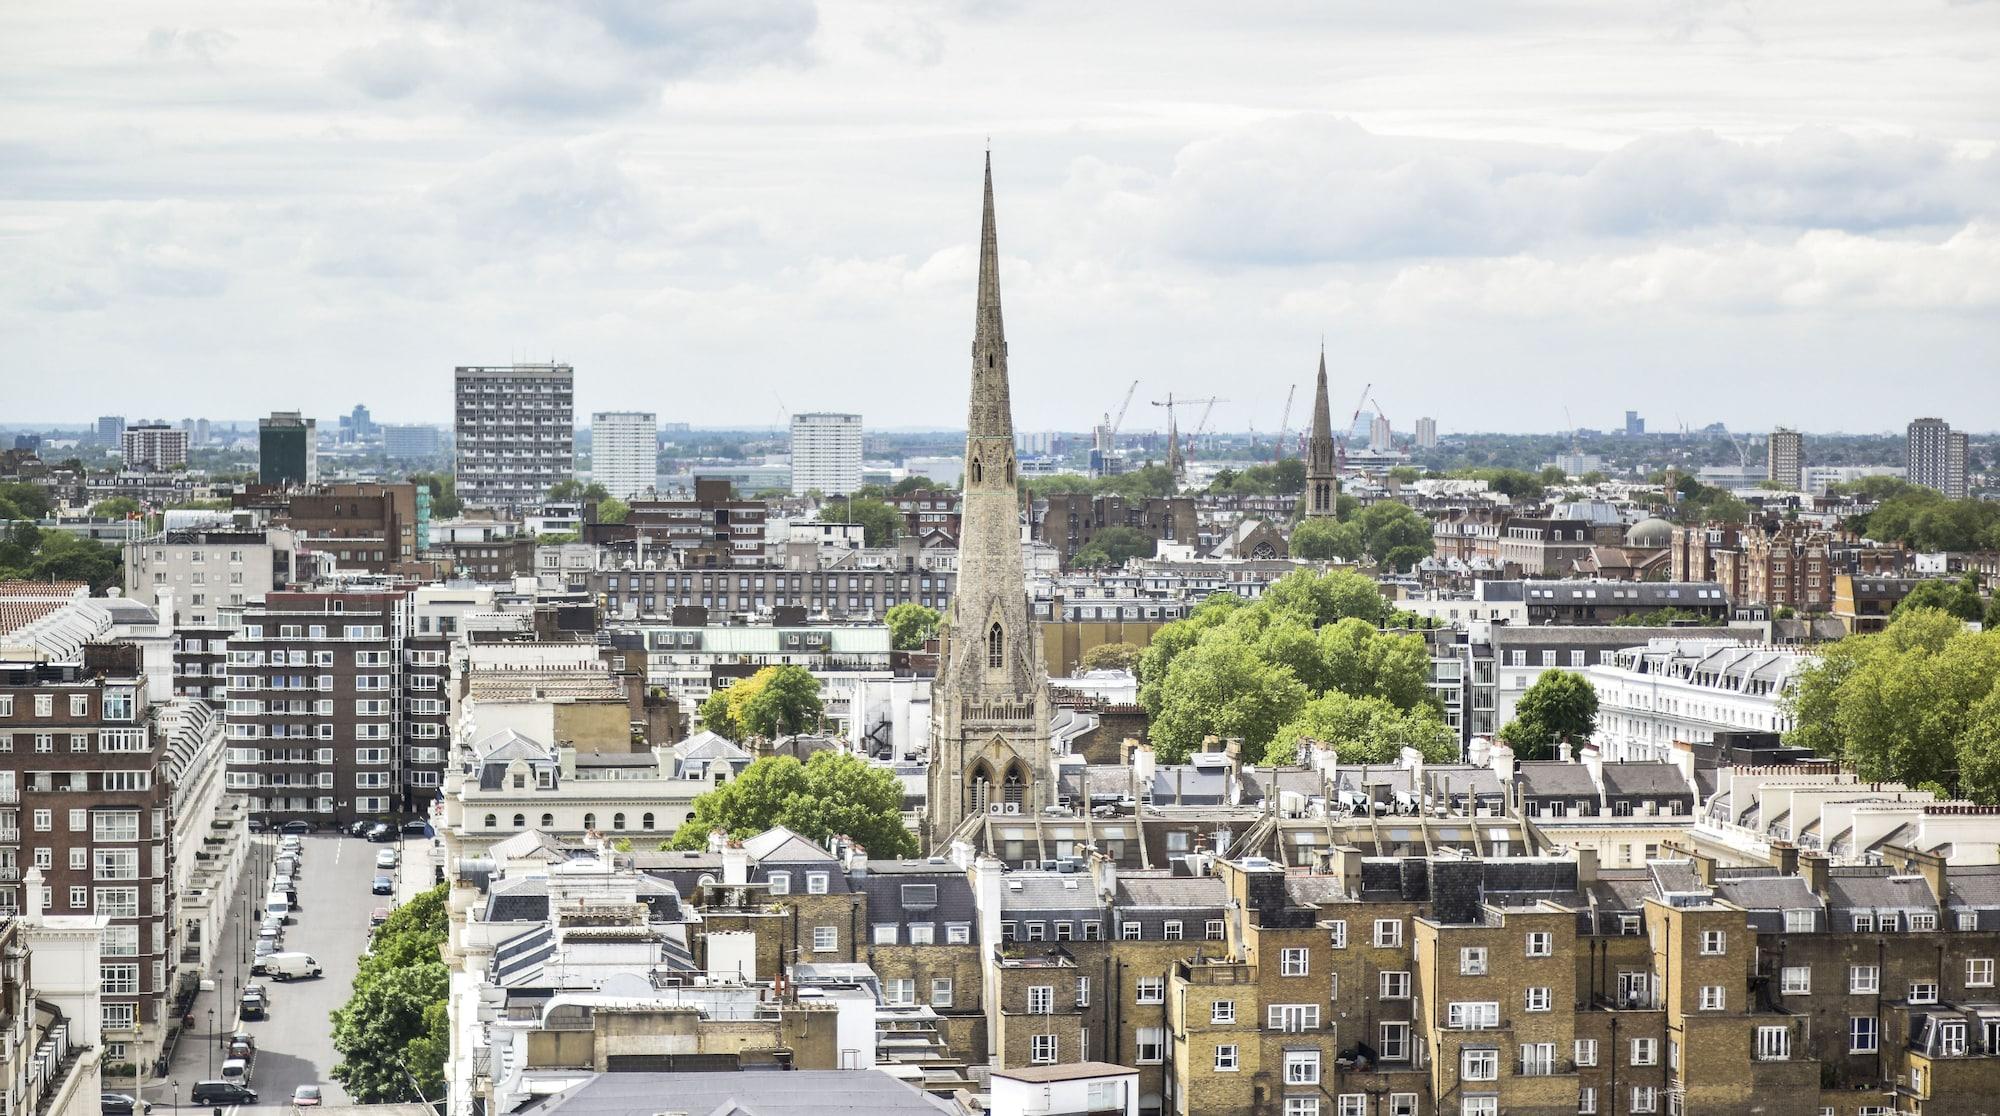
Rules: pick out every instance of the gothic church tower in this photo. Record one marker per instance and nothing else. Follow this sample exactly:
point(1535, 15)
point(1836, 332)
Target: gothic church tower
point(1322, 463)
point(990, 705)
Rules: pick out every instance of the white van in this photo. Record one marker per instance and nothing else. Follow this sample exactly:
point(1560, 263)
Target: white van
point(276, 903)
point(284, 867)
point(290, 966)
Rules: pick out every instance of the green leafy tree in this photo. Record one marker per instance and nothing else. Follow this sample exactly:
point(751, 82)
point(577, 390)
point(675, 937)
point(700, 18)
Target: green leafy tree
point(786, 702)
point(1223, 688)
point(443, 488)
point(880, 524)
point(719, 716)
point(1112, 656)
point(1364, 729)
point(116, 507)
point(1394, 534)
point(393, 1032)
point(1360, 659)
point(1321, 598)
point(1957, 598)
point(1323, 540)
point(613, 510)
point(1405, 474)
point(1663, 617)
point(1121, 544)
point(910, 624)
point(834, 793)
point(1090, 557)
point(1978, 748)
point(1560, 707)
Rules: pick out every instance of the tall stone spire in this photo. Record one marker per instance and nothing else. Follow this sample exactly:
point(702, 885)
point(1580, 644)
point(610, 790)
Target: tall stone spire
point(1322, 463)
point(1176, 463)
point(990, 705)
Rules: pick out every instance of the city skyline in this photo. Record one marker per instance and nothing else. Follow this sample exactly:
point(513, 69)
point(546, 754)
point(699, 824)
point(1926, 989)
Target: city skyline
point(1777, 244)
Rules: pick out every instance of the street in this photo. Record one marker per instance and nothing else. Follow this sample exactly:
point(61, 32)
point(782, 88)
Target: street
point(295, 1044)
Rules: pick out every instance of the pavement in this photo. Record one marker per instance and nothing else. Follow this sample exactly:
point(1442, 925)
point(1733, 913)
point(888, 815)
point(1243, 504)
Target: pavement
point(295, 1044)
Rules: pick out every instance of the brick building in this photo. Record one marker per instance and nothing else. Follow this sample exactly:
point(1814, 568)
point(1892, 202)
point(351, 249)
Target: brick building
point(1069, 520)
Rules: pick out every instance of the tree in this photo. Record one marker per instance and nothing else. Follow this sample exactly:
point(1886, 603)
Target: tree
point(1121, 544)
point(1364, 729)
point(1323, 540)
point(1561, 707)
point(443, 487)
point(880, 524)
point(1360, 659)
point(1112, 656)
point(785, 703)
point(1321, 598)
point(394, 1027)
point(1091, 557)
point(910, 624)
point(1405, 474)
point(116, 507)
point(719, 716)
point(1223, 688)
point(613, 510)
point(1394, 534)
point(1663, 617)
point(1957, 598)
point(832, 794)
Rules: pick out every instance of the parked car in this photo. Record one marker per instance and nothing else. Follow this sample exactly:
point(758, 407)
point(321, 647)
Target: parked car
point(378, 916)
point(266, 947)
point(222, 1093)
point(121, 1104)
point(237, 1070)
point(417, 827)
point(273, 934)
point(384, 885)
point(242, 1045)
point(254, 1005)
point(254, 825)
point(386, 858)
point(381, 831)
point(305, 1096)
point(299, 827)
point(291, 842)
point(284, 867)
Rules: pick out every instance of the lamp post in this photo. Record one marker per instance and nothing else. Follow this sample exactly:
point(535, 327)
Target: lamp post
point(211, 1045)
point(174, 1093)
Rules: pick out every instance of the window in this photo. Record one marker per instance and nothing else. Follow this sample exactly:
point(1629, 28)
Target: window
point(79, 820)
point(1537, 999)
point(1472, 961)
point(1586, 1052)
point(1774, 1044)
point(1301, 1106)
point(1152, 1045)
point(957, 933)
point(1395, 1042)
point(1538, 1059)
point(1479, 1063)
point(1541, 943)
point(1645, 1052)
point(1213, 930)
point(1041, 999)
point(1130, 931)
point(79, 899)
point(826, 939)
point(1923, 992)
point(1472, 1016)
point(1586, 1101)
point(1714, 943)
point(1222, 1011)
point(121, 1017)
point(1044, 1051)
point(1301, 1067)
point(1714, 997)
point(120, 980)
point(1979, 972)
point(1388, 933)
point(116, 864)
point(79, 859)
point(1395, 985)
point(1172, 930)
point(118, 902)
point(1352, 1104)
point(1337, 931)
point(1863, 1035)
point(941, 992)
point(815, 883)
point(1645, 1098)
point(1082, 991)
point(1863, 980)
point(1795, 980)
point(1480, 1106)
point(1951, 1040)
point(1292, 1018)
point(884, 934)
point(996, 646)
point(1225, 1058)
point(781, 882)
point(1293, 962)
point(1151, 990)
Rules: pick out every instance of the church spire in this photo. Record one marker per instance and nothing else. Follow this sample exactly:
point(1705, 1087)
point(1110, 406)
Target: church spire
point(1322, 468)
point(991, 411)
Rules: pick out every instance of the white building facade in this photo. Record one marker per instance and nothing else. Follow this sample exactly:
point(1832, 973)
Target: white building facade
point(624, 451)
point(1688, 690)
point(826, 453)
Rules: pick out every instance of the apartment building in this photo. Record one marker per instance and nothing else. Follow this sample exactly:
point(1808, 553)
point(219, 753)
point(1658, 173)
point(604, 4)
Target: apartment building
point(1069, 521)
point(1689, 689)
point(826, 453)
point(1864, 603)
point(849, 585)
point(84, 799)
point(624, 451)
point(1541, 547)
point(1935, 457)
point(336, 711)
point(366, 527)
point(1786, 459)
point(516, 433)
point(287, 450)
point(1602, 602)
point(154, 448)
point(214, 574)
point(714, 528)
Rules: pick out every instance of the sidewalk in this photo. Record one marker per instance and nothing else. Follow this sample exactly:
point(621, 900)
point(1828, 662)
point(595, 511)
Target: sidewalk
point(198, 1053)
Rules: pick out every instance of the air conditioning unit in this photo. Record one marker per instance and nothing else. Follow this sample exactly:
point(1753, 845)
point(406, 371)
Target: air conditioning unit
point(1013, 808)
point(996, 808)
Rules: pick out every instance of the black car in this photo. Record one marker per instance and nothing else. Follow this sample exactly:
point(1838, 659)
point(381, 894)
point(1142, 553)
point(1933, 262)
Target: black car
point(296, 827)
point(222, 1092)
point(121, 1104)
point(384, 885)
point(381, 831)
point(417, 827)
point(359, 828)
point(254, 1005)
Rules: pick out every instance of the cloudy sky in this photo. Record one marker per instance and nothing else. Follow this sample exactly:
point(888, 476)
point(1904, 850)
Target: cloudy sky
point(1763, 213)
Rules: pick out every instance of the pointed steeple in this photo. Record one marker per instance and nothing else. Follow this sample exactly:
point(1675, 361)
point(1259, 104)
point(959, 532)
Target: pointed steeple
point(1322, 460)
point(1175, 463)
point(991, 411)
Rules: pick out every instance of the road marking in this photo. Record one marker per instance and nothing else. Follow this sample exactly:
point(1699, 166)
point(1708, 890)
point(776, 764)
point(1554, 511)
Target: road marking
point(337, 846)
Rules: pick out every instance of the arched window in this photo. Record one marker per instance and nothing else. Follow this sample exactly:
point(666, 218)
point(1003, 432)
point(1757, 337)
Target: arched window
point(520, 821)
point(618, 821)
point(690, 816)
point(996, 646)
point(982, 790)
point(1010, 470)
point(646, 822)
point(492, 821)
point(548, 821)
point(590, 821)
point(977, 471)
point(1015, 789)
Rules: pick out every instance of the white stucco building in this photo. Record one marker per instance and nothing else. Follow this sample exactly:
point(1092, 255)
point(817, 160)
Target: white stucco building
point(1689, 689)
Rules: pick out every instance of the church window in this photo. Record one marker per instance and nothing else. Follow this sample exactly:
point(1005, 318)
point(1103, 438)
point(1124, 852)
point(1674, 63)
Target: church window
point(1010, 470)
point(996, 646)
point(982, 791)
point(977, 471)
point(1014, 790)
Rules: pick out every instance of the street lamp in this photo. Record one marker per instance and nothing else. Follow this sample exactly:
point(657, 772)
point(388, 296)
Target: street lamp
point(211, 1046)
point(174, 1093)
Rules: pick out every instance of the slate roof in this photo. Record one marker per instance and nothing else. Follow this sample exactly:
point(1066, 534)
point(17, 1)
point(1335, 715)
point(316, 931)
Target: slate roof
point(779, 845)
point(529, 843)
point(1676, 876)
point(1877, 891)
point(1203, 892)
point(1645, 779)
point(941, 895)
point(1028, 892)
point(1555, 779)
point(798, 1093)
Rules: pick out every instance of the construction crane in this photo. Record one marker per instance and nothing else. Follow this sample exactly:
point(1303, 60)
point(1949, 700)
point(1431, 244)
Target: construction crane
point(1285, 421)
point(1207, 406)
point(1354, 418)
point(1107, 432)
point(1742, 459)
